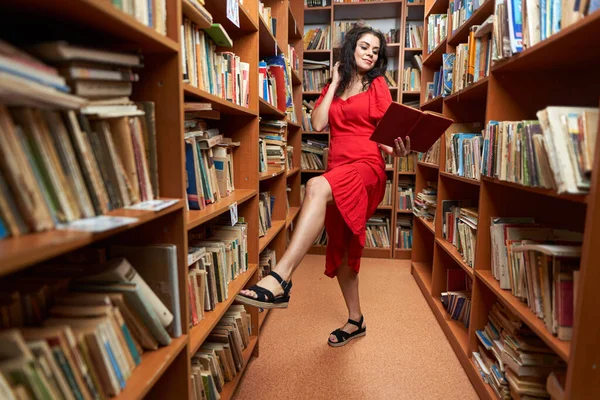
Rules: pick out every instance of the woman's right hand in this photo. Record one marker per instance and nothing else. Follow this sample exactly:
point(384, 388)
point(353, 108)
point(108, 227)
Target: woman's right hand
point(335, 78)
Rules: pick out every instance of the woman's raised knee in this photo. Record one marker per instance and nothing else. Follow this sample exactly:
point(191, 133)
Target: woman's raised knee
point(318, 187)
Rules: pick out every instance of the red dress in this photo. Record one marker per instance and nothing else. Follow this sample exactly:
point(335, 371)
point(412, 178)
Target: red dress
point(355, 172)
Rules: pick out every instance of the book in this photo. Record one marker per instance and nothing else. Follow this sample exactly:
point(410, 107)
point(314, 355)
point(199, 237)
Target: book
point(422, 127)
point(219, 35)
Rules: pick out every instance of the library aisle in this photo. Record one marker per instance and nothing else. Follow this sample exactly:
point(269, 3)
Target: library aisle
point(405, 354)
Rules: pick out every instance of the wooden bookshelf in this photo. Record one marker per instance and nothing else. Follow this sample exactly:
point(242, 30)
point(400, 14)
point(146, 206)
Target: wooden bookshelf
point(515, 90)
point(276, 227)
point(218, 103)
point(230, 387)
point(293, 171)
point(271, 172)
point(270, 110)
point(198, 217)
point(292, 215)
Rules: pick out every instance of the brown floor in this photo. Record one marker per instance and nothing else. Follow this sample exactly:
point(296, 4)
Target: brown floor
point(405, 354)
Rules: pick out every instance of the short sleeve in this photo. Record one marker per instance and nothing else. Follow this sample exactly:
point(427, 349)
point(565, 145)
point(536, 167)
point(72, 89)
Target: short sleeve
point(323, 93)
point(380, 98)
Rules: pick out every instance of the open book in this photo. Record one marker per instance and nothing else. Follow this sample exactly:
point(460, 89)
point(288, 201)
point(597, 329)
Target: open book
point(422, 127)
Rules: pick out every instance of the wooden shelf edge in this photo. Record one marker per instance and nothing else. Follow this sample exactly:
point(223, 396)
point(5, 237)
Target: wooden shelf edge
point(276, 227)
point(478, 17)
point(262, 316)
point(265, 108)
point(193, 14)
point(271, 172)
point(460, 178)
point(561, 348)
point(428, 165)
point(577, 198)
point(223, 105)
point(199, 332)
point(453, 252)
point(432, 102)
point(409, 173)
point(198, 217)
point(20, 252)
point(294, 211)
point(293, 171)
point(469, 89)
point(428, 224)
point(153, 366)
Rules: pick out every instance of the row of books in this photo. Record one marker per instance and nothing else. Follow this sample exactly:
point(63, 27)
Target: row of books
point(272, 144)
point(314, 154)
point(293, 58)
point(512, 359)
point(457, 297)
point(414, 35)
point(470, 63)
point(539, 265)
point(221, 357)
point(317, 39)
point(290, 157)
point(435, 88)
point(405, 197)
point(437, 30)
point(431, 156)
point(404, 236)
point(265, 13)
point(266, 262)
point(387, 197)
point(78, 326)
point(556, 152)
point(463, 151)
point(152, 14)
point(208, 161)
point(459, 227)
point(523, 24)
point(378, 232)
point(342, 27)
point(411, 80)
point(214, 261)
point(406, 163)
point(461, 10)
point(314, 79)
point(425, 203)
point(266, 202)
point(390, 78)
point(317, 3)
point(222, 74)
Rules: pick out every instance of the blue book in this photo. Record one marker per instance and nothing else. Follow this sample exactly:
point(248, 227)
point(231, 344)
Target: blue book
point(192, 189)
point(515, 25)
point(448, 66)
point(594, 5)
point(114, 364)
point(556, 16)
point(34, 78)
point(150, 16)
point(487, 343)
point(3, 230)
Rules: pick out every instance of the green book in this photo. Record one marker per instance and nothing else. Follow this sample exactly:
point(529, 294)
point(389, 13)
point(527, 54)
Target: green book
point(219, 35)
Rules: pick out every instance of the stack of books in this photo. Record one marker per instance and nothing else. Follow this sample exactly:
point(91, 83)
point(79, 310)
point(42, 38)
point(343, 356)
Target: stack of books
point(512, 359)
point(411, 80)
point(556, 152)
point(460, 227)
point(457, 297)
point(436, 30)
point(414, 35)
point(406, 188)
point(221, 357)
point(432, 156)
point(404, 232)
point(387, 197)
point(463, 151)
point(378, 232)
point(272, 144)
point(152, 14)
point(426, 202)
point(390, 78)
point(313, 154)
point(315, 77)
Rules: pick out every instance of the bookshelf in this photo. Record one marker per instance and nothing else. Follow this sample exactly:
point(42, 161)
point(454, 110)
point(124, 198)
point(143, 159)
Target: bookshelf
point(166, 371)
point(515, 90)
point(382, 15)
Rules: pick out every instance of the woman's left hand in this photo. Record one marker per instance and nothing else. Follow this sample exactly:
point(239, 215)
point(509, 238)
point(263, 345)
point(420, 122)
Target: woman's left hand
point(400, 149)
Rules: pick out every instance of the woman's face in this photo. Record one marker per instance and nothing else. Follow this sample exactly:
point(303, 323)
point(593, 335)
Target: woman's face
point(366, 52)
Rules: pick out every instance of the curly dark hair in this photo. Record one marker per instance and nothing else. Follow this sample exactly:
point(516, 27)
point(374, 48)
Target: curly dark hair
point(347, 63)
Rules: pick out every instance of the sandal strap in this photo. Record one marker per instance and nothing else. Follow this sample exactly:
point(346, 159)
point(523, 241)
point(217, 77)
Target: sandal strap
point(358, 324)
point(285, 285)
point(340, 335)
point(261, 291)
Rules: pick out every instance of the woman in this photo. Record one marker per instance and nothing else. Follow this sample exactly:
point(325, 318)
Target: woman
point(348, 193)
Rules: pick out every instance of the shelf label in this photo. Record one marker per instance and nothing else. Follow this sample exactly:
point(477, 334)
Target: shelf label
point(152, 205)
point(233, 12)
point(100, 223)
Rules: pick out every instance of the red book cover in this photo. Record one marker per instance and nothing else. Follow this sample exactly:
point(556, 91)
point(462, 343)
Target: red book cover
point(277, 72)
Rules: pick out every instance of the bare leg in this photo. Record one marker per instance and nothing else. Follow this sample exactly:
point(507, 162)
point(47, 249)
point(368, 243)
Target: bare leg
point(310, 223)
point(348, 281)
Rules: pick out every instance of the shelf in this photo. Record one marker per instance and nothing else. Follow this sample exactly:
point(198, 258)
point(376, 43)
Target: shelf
point(377, 252)
point(197, 217)
point(264, 241)
point(191, 12)
point(522, 310)
point(271, 172)
point(460, 178)
point(267, 42)
point(438, 7)
point(577, 198)
point(20, 252)
point(313, 171)
point(317, 15)
point(428, 165)
point(267, 109)
point(296, 81)
point(380, 207)
point(415, 12)
point(219, 104)
point(262, 316)
point(574, 44)
point(230, 387)
point(292, 216)
point(319, 249)
point(199, 332)
point(293, 31)
point(317, 51)
point(315, 133)
point(474, 92)
point(457, 328)
point(435, 57)
point(218, 10)
point(293, 171)
point(153, 365)
point(412, 93)
point(424, 272)
point(402, 254)
point(434, 104)
point(407, 173)
point(367, 10)
point(454, 253)
point(413, 49)
point(294, 125)
point(101, 17)
point(428, 224)
point(461, 35)
point(312, 93)
point(399, 211)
